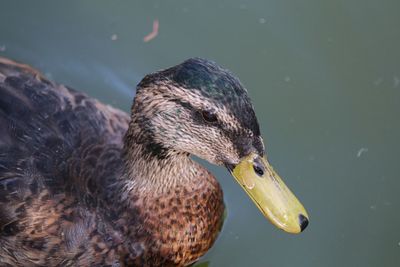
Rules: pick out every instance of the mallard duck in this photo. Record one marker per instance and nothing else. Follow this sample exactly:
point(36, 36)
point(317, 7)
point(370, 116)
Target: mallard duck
point(85, 184)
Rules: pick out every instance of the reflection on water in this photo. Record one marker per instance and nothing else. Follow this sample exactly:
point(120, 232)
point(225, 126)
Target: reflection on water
point(325, 81)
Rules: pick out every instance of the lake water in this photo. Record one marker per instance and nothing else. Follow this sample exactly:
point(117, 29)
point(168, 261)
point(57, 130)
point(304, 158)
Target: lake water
point(324, 77)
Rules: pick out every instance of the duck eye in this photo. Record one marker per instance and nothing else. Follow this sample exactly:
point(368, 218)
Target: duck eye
point(209, 116)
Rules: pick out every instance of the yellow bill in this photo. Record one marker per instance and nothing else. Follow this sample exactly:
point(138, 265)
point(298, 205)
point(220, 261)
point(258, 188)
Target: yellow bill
point(270, 194)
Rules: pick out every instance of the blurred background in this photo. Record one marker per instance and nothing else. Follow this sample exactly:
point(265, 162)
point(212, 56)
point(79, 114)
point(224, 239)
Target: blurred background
point(324, 77)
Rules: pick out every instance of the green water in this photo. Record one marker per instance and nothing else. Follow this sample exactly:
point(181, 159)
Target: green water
point(325, 81)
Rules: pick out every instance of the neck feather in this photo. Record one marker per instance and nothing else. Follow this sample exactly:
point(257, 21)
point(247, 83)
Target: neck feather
point(175, 201)
point(151, 168)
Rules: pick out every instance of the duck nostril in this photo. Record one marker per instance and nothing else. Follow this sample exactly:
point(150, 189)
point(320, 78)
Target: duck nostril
point(303, 222)
point(258, 167)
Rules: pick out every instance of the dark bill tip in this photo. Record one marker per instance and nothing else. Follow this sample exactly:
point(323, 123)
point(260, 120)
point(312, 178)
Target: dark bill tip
point(303, 222)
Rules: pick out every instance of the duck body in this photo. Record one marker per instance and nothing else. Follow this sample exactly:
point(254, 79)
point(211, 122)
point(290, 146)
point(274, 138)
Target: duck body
point(82, 185)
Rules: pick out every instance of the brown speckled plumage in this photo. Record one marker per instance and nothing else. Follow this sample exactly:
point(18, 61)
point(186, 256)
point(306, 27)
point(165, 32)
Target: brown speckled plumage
point(83, 184)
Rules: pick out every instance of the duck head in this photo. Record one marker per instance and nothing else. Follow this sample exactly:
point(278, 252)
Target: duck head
point(202, 109)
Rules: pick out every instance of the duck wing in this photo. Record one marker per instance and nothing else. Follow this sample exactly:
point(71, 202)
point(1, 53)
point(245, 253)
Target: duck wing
point(57, 148)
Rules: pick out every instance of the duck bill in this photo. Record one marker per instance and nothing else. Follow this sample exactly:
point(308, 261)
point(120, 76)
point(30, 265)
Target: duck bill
point(270, 194)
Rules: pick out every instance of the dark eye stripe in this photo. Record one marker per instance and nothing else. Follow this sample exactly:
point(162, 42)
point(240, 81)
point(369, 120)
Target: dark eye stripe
point(183, 104)
point(209, 115)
